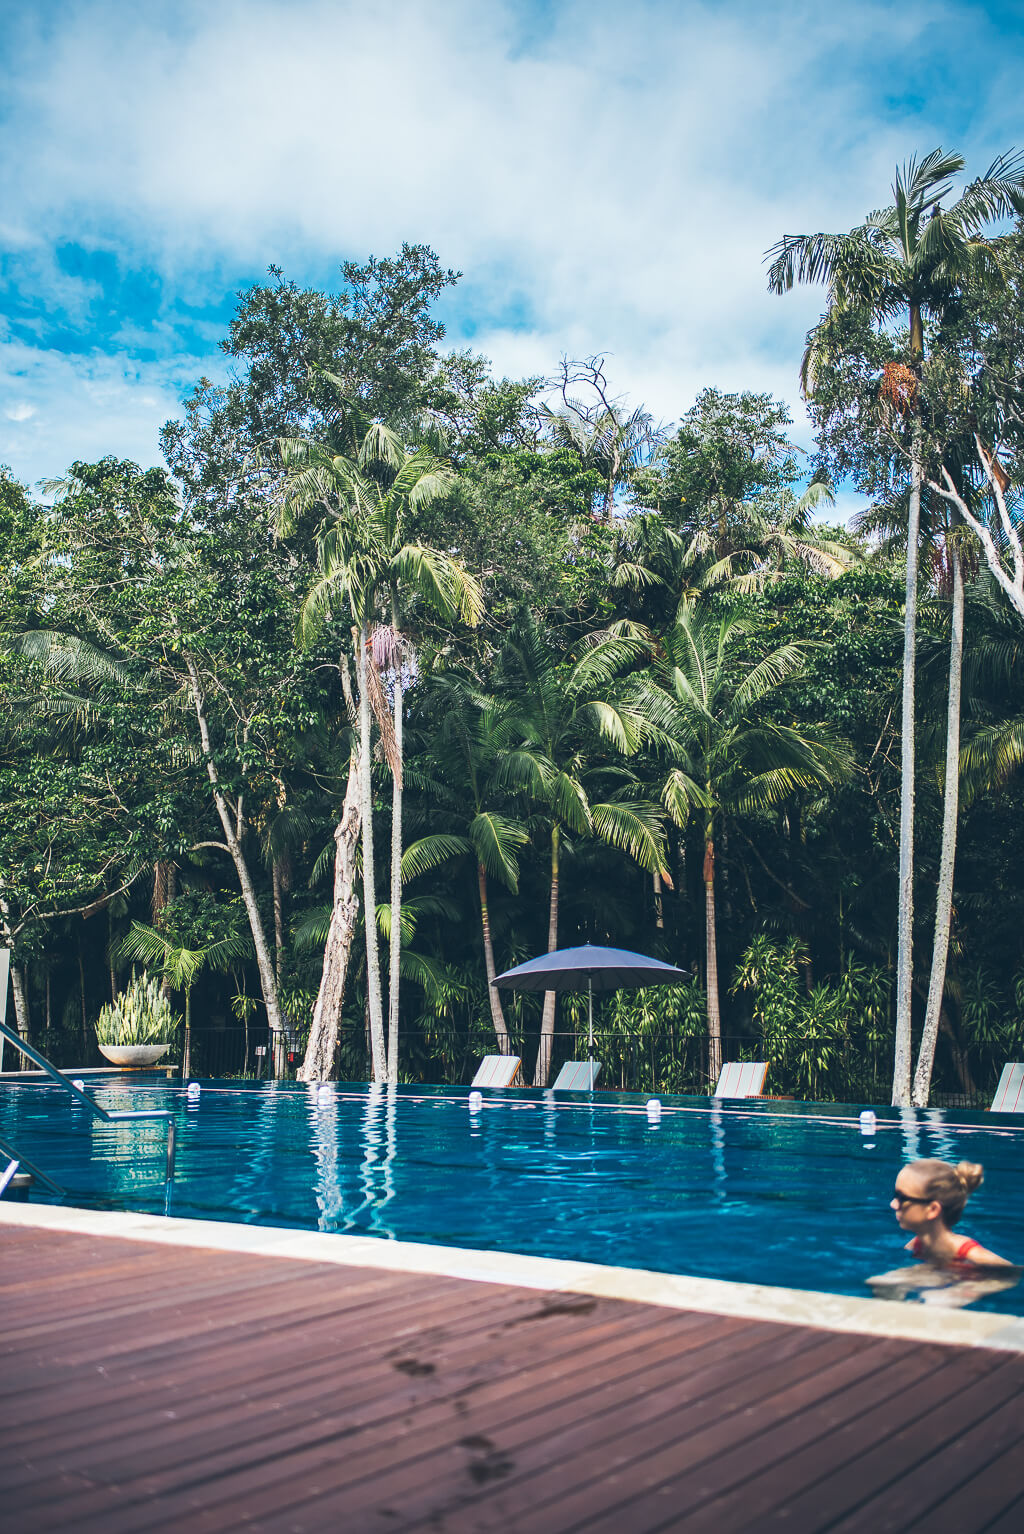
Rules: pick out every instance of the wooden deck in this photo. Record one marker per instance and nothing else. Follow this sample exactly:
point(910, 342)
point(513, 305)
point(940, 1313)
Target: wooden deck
point(154, 1387)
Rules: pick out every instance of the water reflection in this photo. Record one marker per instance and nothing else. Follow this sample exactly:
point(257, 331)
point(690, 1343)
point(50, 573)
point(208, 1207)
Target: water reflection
point(949, 1288)
point(376, 1174)
point(718, 1150)
point(911, 1128)
point(943, 1142)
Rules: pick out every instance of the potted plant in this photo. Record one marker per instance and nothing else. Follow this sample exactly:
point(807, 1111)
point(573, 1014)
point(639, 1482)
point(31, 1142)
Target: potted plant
point(136, 1029)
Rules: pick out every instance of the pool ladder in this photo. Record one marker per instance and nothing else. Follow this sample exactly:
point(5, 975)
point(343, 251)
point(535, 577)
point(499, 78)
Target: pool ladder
point(17, 1164)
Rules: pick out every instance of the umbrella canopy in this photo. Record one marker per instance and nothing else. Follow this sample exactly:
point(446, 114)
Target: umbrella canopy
point(590, 967)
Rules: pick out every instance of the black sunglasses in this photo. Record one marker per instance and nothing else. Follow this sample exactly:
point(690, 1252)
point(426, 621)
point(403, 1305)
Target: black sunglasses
point(909, 1198)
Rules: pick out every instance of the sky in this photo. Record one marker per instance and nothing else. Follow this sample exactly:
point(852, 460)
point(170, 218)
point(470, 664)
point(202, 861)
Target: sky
point(607, 177)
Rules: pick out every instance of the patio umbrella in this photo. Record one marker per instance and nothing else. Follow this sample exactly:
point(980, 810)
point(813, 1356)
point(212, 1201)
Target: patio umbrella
point(593, 966)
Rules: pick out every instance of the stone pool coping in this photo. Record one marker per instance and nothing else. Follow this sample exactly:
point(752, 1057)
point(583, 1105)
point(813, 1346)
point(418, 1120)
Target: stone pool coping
point(762, 1302)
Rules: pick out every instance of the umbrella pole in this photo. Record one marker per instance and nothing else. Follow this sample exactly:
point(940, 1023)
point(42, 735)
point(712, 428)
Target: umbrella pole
point(590, 1019)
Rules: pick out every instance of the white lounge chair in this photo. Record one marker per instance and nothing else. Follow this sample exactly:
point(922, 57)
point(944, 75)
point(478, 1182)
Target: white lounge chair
point(577, 1076)
point(498, 1071)
point(1009, 1096)
point(742, 1078)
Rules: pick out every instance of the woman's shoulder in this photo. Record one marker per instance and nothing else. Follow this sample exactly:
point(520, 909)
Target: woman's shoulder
point(972, 1251)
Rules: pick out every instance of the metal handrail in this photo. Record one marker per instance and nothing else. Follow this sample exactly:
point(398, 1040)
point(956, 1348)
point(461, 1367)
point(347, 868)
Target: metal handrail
point(18, 1160)
point(108, 1115)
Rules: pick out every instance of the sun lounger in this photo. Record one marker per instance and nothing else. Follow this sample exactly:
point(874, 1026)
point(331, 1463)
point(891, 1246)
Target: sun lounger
point(1009, 1096)
point(577, 1076)
point(742, 1078)
point(498, 1071)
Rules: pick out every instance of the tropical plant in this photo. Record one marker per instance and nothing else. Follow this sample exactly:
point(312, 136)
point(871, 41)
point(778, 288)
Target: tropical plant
point(913, 259)
point(465, 762)
point(711, 711)
point(368, 489)
point(558, 716)
point(140, 1015)
point(194, 933)
point(777, 535)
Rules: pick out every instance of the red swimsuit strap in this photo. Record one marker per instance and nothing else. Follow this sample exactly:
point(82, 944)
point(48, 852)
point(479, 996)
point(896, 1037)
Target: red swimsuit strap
point(963, 1249)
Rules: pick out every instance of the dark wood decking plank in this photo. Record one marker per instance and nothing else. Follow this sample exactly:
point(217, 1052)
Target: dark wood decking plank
point(973, 1383)
point(967, 1480)
point(617, 1416)
point(311, 1392)
point(415, 1314)
point(549, 1446)
point(274, 1476)
point(747, 1459)
point(853, 1423)
point(249, 1359)
point(105, 1336)
point(641, 1466)
point(1010, 1521)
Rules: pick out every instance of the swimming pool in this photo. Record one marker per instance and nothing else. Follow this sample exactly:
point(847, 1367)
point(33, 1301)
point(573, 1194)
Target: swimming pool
point(787, 1194)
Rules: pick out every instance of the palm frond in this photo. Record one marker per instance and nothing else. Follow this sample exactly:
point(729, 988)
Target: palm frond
point(429, 852)
point(635, 829)
point(496, 841)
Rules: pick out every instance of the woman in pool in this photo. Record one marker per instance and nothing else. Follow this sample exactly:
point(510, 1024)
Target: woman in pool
point(928, 1200)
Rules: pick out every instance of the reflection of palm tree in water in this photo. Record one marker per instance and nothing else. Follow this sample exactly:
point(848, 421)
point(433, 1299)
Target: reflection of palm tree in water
point(376, 1178)
point(718, 1150)
point(943, 1142)
point(911, 1134)
point(330, 1196)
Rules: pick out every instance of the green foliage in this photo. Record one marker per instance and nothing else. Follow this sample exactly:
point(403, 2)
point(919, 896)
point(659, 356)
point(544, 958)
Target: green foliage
point(140, 1015)
point(818, 1039)
point(703, 658)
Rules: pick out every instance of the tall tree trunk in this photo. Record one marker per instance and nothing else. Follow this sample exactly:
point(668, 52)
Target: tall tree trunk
point(373, 996)
point(264, 963)
point(165, 889)
point(905, 929)
point(547, 1025)
point(81, 984)
point(947, 858)
point(22, 1015)
point(18, 986)
point(110, 957)
point(395, 953)
point(318, 1064)
point(659, 906)
point(281, 879)
point(711, 942)
point(497, 1015)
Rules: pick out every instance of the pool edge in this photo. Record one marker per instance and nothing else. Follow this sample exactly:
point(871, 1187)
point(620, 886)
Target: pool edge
point(761, 1302)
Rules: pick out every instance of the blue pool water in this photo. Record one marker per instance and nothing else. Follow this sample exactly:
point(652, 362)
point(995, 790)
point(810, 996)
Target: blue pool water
point(774, 1193)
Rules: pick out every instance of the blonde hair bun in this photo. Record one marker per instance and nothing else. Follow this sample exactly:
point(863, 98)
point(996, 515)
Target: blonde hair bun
point(970, 1174)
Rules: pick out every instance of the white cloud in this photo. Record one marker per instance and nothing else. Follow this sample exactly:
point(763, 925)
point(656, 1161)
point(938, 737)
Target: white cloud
point(621, 173)
point(66, 407)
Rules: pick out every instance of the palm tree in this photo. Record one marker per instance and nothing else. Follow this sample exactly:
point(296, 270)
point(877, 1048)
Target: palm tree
point(365, 559)
point(467, 759)
point(710, 711)
point(556, 716)
point(943, 536)
point(776, 536)
point(178, 963)
point(912, 259)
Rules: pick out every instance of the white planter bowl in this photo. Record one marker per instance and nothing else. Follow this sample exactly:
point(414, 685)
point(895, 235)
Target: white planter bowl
point(133, 1057)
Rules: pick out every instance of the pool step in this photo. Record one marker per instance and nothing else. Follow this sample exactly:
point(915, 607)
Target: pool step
point(17, 1190)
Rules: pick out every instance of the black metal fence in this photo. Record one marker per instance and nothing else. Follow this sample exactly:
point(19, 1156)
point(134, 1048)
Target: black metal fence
point(664, 1059)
